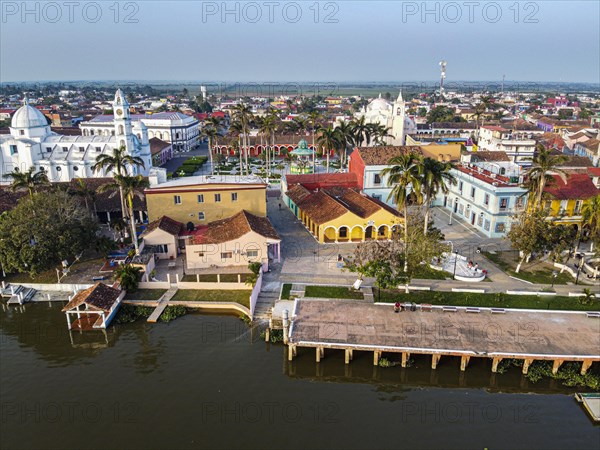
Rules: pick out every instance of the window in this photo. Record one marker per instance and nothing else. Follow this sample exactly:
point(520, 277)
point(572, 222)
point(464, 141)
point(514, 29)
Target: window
point(234, 196)
point(48, 149)
point(343, 232)
point(486, 199)
point(81, 149)
point(162, 248)
point(460, 187)
point(503, 203)
point(58, 168)
point(472, 192)
point(13, 149)
point(200, 215)
point(75, 168)
point(177, 199)
point(577, 209)
point(98, 149)
point(65, 149)
point(217, 198)
point(252, 253)
point(22, 132)
point(486, 225)
point(226, 255)
point(377, 179)
point(200, 198)
point(500, 227)
point(480, 221)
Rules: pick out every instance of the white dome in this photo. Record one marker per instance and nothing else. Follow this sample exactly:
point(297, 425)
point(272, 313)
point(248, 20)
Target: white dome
point(379, 104)
point(28, 117)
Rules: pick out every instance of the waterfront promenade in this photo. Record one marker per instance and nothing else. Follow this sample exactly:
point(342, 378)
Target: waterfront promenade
point(520, 334)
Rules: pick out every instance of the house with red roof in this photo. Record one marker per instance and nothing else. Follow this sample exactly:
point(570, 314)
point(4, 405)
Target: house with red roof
point(565, 197)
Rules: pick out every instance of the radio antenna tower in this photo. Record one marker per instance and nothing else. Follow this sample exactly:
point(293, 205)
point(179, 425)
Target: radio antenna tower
point(442, 77)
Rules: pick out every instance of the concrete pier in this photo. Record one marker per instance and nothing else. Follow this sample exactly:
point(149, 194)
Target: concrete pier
point(526, 335)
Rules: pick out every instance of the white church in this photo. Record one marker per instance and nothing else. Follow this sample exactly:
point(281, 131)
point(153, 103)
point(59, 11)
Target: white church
point(390, 115)
point(31, 143)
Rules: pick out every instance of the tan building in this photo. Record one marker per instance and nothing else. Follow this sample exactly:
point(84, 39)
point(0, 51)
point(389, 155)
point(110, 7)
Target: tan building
point(204, 199)
point(235, 241)
point(163, 234)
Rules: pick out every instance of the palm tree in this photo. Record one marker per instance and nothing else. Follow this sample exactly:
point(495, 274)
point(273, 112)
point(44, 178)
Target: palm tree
point(235, 130)
point(27, 180)
point(243, 114)
point(82, 190)
point(544, 164)
point(328, 140)
point(130, 187)
point(361, 131)
point(268, 128)
point(346, 138)
point(404, 176)
point(118, 163)
point(435, 177)
point(211, 133)
point(587, 297)
point(128, 276)
point(590, 219)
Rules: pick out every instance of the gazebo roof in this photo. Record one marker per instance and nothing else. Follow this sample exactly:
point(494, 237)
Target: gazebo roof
point(302, 149)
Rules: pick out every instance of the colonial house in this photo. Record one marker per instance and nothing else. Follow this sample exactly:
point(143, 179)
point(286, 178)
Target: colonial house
point(202, 199)
point(564, 200)
point(341, 214)
point(487, 193)
point(367, 163)
point(234, 241)
point(519, 145)
point(590, 149)
point(164, 236)
point(162, 151)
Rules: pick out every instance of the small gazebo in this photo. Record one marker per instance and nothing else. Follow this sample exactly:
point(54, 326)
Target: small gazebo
point(302, 162)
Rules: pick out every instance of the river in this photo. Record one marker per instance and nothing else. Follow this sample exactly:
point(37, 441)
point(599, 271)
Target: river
point(208, 381)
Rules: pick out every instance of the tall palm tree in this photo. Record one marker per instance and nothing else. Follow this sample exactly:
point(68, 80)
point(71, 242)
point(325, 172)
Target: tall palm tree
point(27, 180)
point(235, 131)
point(404, 174)
point(118, 162)
point(212, 134)
point(268, 128)
point(590, 219)
point(544, 165)
point(243, 114)
point(130, 186)
point(80, 189)
point(361, 131)
point(435, 177)
point(328, 140)
point(346, 138)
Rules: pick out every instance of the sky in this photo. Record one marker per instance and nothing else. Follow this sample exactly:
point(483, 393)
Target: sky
point(297, 41)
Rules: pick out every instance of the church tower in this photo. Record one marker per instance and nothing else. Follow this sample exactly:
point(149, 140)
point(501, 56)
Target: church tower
point(122, 123)
point(398, 116)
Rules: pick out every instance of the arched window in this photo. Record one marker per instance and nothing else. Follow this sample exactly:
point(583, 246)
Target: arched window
point(75, 168)
point(121, 130)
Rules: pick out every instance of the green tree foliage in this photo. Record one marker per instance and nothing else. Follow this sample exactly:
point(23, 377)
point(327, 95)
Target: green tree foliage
point(443, 114)
point(128, 276)
point(43, 230)
point(530, 234)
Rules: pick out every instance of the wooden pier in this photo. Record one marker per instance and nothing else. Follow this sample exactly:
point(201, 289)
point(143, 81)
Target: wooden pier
point(490, 333)
point(162, 304)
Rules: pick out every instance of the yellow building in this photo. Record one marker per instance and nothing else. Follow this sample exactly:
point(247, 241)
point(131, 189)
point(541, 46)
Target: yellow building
point(341, 214)
point(564, 201)
point(204, 199)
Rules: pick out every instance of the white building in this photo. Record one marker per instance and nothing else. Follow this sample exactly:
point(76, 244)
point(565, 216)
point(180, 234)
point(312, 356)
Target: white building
point(518, 145)
point(31, 143)
point(390, 115)
point(180, 130)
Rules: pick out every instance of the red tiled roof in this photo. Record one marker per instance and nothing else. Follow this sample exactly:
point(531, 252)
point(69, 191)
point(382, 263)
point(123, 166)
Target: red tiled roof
point(579, 186)
point(323, 180)
point(380, 156)
point(157, 145)
point(166, 224)
point(232, 228)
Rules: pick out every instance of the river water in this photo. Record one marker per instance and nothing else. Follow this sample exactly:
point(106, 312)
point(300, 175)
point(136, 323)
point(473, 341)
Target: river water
point(208, 381)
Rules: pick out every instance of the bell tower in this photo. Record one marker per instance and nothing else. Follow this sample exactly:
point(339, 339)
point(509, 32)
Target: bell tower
point(398, 116)
point(122, 123)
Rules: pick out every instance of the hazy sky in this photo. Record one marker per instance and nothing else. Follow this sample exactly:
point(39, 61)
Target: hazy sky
point(290, 41)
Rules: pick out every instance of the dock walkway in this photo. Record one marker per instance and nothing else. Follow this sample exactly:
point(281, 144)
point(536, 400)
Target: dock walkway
point(495, 334)
point(162, 304)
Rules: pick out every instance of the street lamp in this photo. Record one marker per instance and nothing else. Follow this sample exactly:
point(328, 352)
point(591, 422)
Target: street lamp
point(554, 275)
point(455, 261)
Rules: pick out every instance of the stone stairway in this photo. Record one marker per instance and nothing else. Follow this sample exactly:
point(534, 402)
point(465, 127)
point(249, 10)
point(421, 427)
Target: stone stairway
point(269, 294)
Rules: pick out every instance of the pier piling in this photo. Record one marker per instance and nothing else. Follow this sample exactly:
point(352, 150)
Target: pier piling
point(464, 362)
point(435, 359)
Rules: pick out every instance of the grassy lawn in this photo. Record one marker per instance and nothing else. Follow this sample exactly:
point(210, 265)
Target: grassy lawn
point(212, 278)
point(333, 292)
point(488, 300)
point(427, 273)
point(213, 295)
point(285, 292)
point(145, 294)
point(539, 276)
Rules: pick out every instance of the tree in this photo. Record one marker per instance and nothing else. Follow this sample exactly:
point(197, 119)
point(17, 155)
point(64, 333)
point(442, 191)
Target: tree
point(544, 164)
point(404, 175)
point(43, 230)
point(243, 114)
point(588, 297)
point(128, 276)
point(529, 234)
point(28, 180)
point(436, 177)
point(328, 140)
point(212, 134)
point(80, 189)
point(130, 186)
point(118, 162)
point(590, 219)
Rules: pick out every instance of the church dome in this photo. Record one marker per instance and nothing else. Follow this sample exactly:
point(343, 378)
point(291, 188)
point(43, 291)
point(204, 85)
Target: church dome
point(28, 117)
point(379, 104)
